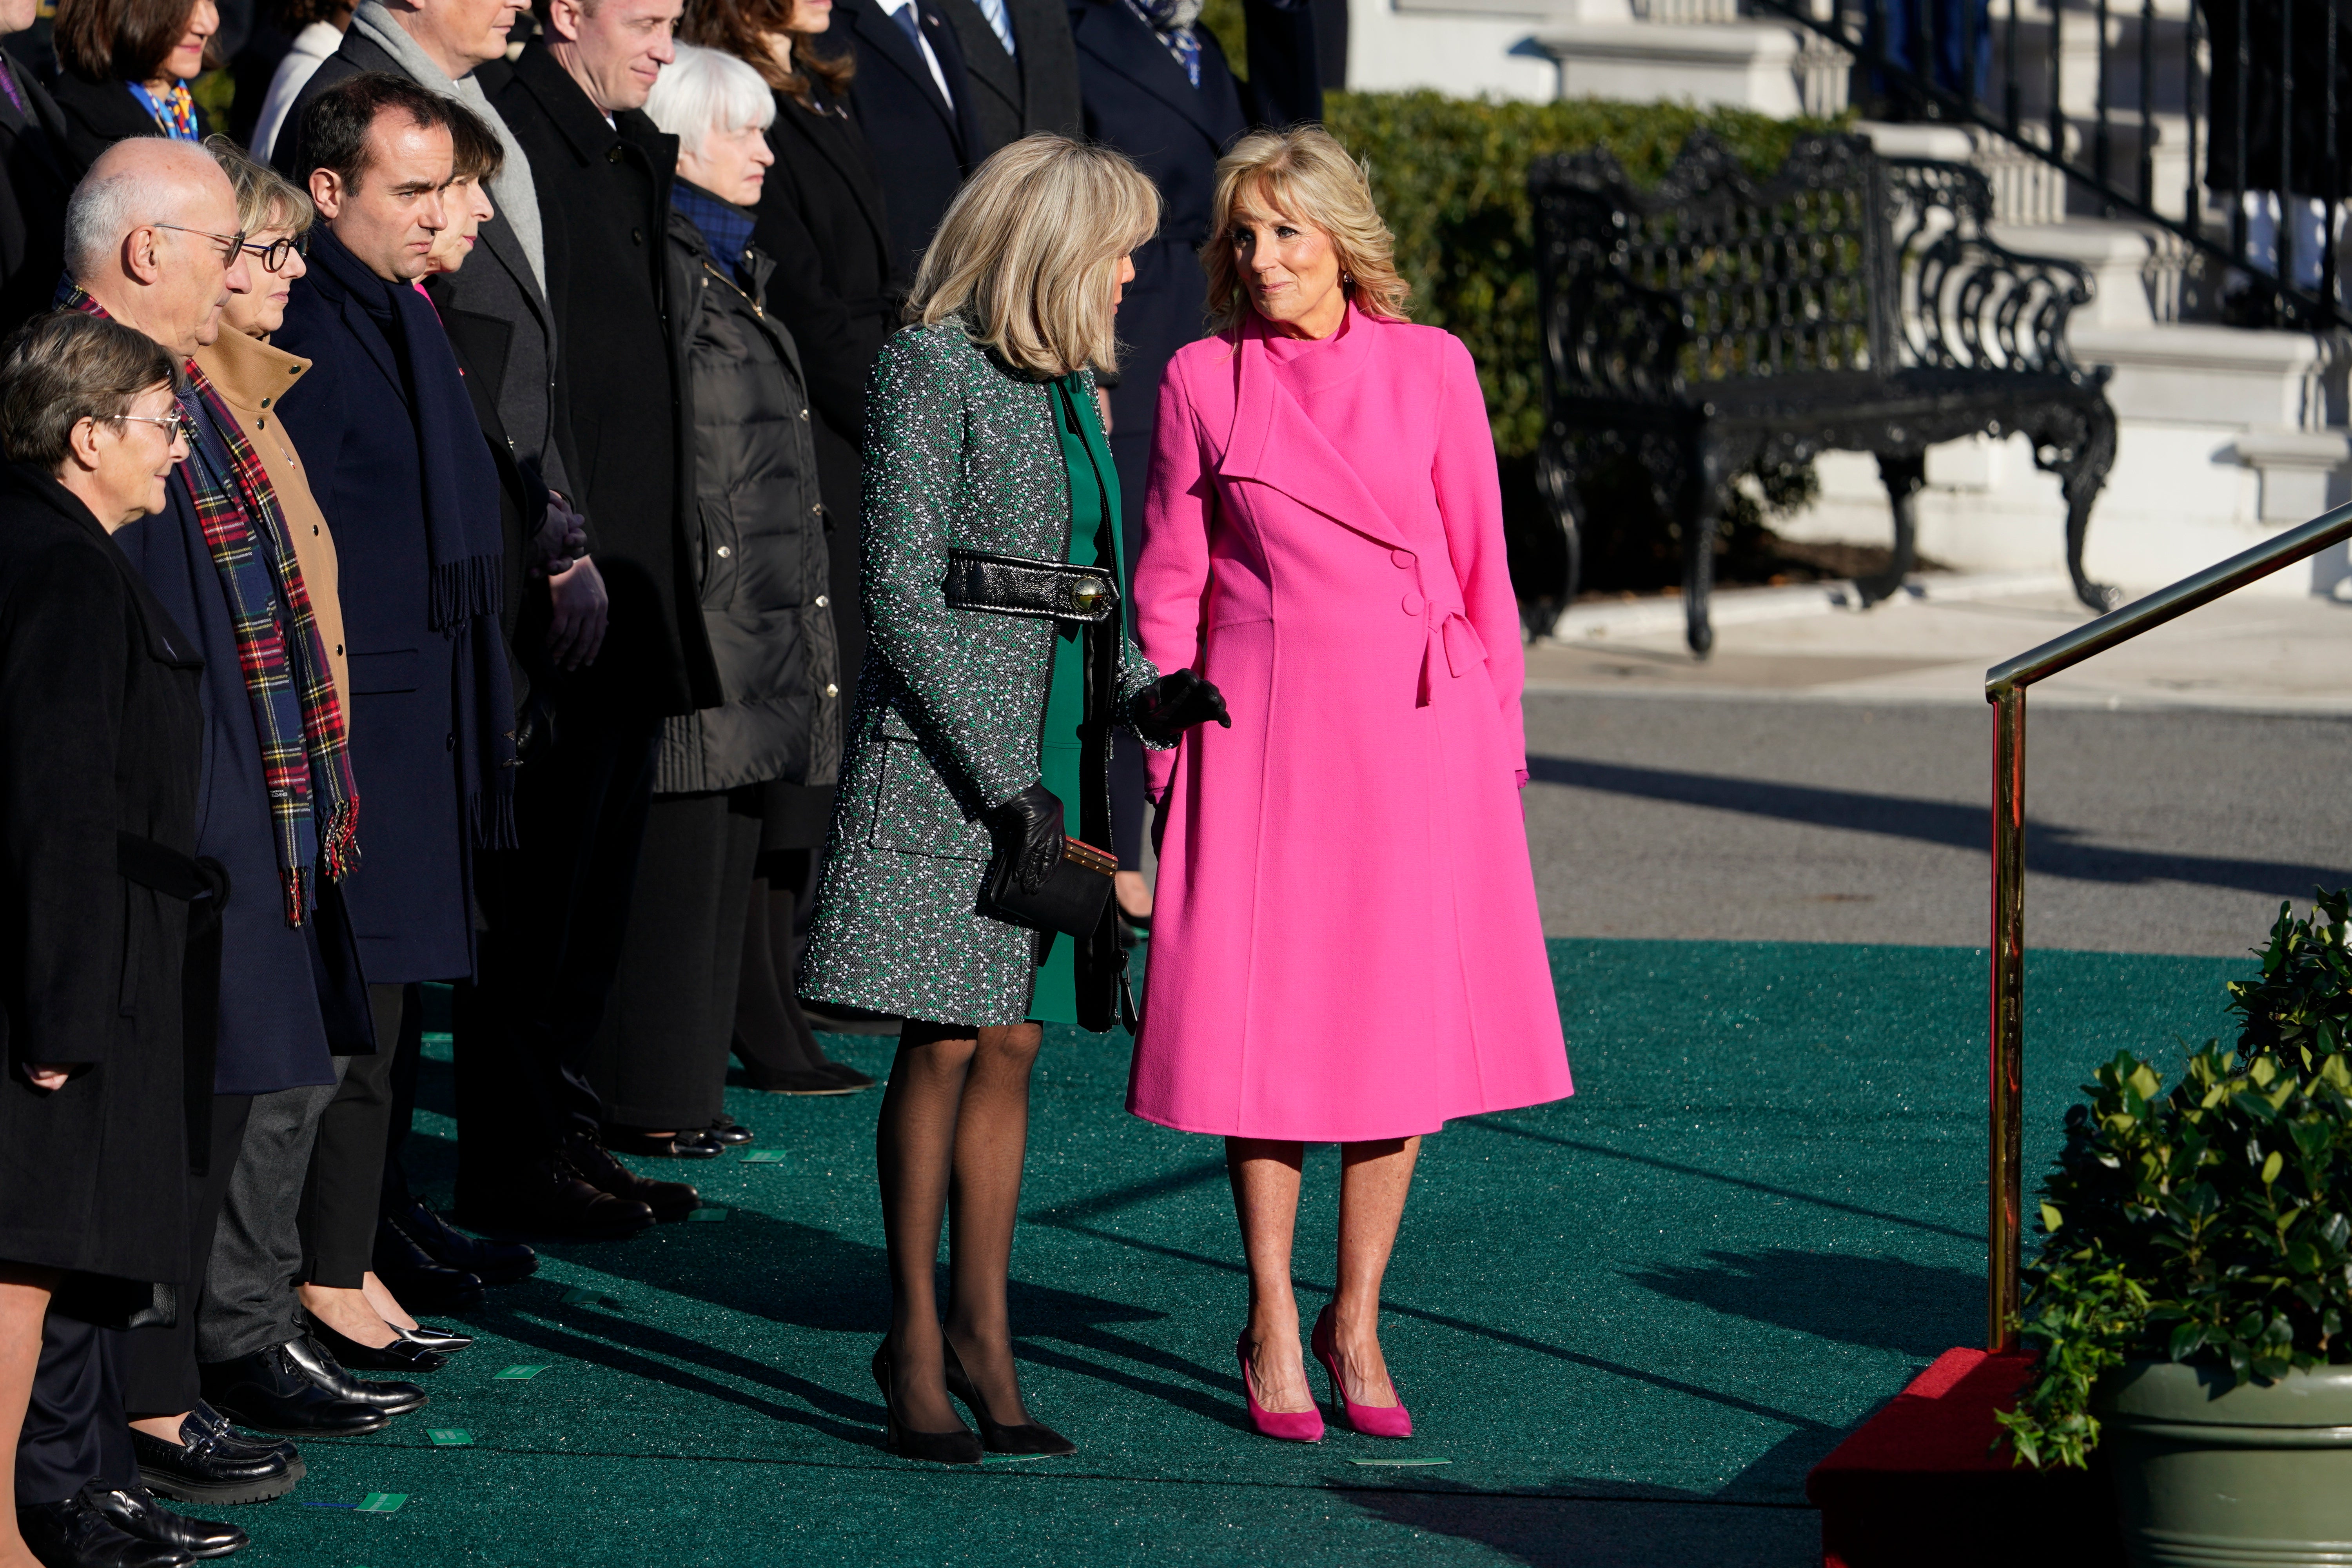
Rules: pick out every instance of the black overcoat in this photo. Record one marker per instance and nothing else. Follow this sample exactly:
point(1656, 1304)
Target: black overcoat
point(822, 221)
point(922, 146)
point(1139, 99)
point(352, 420)
point(39, 178)
point(1035, 88)
point(98, 114)
point(604, 197)
point(101, 725)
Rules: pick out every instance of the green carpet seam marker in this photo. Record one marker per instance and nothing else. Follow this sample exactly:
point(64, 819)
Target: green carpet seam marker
point(1399, 1463)
point(450, 1437)
point(383, 1502)
point(764, 1157)
point(581, 1296)
point(523, 1373)
point(708, 1214)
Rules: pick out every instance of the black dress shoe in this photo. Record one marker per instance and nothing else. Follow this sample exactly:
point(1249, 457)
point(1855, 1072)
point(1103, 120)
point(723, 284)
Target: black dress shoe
point(448, 1342)
point(315, 1363)
point(233, 1441)
point(844, 1073)
point(267, 1391)
point(590, 1161)
point(691, 1144)
point(135, 1512)
point(401, 1355)
point(796, 1080)
point(72, 1534)
point(558, 1202)
point(211, 1464)
point(728, 1132)
point(1030, 1437)
point(491, 1262)
point(957, 1447)
point(421, 1280)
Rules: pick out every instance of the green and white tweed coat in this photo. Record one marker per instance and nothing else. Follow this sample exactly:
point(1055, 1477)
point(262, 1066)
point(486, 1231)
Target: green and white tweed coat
point(960, 452)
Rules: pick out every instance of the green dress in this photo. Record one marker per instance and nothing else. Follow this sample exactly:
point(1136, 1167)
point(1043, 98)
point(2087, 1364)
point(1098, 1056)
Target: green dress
point(1094, 504)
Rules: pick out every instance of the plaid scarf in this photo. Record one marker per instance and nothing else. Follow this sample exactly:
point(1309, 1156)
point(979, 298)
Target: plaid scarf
point(297, 715)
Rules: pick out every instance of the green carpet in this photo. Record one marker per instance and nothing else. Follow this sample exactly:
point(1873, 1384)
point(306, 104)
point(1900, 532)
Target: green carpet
point(1629, 1323)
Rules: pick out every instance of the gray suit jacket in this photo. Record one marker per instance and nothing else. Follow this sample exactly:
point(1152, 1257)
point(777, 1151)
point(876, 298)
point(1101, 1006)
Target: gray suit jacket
point(1037, 90)
point(496, 287)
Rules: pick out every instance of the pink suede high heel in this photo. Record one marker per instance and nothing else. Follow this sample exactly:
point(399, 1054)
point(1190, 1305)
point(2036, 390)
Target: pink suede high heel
point(1290, 1425)
point(1371, 1420)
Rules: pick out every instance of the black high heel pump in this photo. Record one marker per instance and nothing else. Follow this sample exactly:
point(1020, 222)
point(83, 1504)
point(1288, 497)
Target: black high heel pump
point(1030, 1438)
point(956, 1448)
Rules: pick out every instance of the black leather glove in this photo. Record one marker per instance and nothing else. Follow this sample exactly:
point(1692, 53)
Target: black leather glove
point(1174, 704)
point(1029, 827)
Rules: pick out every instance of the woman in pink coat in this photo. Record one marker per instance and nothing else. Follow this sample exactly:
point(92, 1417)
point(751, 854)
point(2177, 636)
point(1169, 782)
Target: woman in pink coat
point(1346, 946)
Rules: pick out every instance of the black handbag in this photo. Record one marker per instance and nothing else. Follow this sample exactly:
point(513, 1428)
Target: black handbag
point(1073, 898)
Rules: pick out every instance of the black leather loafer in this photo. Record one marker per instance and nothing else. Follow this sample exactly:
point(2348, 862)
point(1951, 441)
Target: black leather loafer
point(268, 1392)
point(401, 1355)
point(691, 1144)
point(593, 1164)
point(422, 1281)
point(842, 1072)
point(72, 1534)
point(491, 1262)
point(230, 1440)
point(135, 1512)
point(210, 1464)
point(320, 1367)
point(728, 1132)
point(556, 1202)
point(448, 1342)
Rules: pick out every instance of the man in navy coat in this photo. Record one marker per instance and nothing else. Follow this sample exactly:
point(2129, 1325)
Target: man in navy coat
point(912, 98)
point(153, 252)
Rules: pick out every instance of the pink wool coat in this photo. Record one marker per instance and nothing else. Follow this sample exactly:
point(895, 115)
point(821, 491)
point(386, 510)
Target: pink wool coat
point(1345, 941)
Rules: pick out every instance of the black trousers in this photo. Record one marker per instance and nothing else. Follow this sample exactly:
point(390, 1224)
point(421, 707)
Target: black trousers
point(74, 1431)
point(158, 1366)
point(659, 1060)
point(403, 1084)
point(556, 909)
point(344, 1187)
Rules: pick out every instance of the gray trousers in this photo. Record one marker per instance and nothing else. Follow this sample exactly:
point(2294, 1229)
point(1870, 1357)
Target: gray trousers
point(249, 1303)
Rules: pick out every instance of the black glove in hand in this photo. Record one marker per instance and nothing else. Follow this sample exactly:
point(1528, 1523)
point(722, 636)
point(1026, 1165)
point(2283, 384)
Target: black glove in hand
point(1030, 826)
point(1172, 704)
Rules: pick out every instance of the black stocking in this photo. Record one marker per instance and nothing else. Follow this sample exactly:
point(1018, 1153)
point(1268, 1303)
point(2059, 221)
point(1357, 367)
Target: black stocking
point(955, 1124)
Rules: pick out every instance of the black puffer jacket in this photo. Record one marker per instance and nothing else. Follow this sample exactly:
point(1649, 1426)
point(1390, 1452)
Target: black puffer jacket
point(758, 559)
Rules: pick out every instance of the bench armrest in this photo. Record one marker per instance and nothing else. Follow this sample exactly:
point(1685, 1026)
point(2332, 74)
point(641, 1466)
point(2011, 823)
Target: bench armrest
point(1968, 301)
point(1607, 336)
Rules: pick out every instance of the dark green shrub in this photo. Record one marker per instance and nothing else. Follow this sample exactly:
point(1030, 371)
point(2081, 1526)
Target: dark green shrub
point(2211, 1223)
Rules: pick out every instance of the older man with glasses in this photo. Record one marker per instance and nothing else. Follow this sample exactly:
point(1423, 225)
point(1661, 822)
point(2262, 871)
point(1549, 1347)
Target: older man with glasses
point(153, 240)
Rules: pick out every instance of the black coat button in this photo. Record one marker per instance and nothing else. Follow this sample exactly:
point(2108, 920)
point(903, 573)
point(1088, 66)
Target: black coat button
point(637, 236)
point(453, 742)
point(612, 153)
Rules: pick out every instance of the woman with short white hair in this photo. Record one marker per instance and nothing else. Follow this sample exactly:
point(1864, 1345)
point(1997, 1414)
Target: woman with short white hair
point(967, 882)
point(659, 1063)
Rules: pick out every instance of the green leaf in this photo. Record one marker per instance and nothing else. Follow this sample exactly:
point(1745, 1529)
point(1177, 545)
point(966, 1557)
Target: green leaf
point(2049, 1218)
point(2273, 1166)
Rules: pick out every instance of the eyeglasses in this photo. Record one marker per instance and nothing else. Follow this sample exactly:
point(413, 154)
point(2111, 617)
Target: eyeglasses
point(177, 426)
point(273, 254)
point(230, 244)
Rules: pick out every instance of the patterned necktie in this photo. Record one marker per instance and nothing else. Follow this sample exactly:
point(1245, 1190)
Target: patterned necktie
point(1000, 20)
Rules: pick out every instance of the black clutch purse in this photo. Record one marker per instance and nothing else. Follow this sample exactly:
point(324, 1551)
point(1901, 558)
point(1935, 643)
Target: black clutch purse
point(1073, 898)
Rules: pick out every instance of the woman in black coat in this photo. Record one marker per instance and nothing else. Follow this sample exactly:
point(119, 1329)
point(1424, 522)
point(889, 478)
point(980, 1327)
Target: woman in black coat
point(102, 727)
point(1161, 93)
point(758, 565)
point(125, 67)
point(823, 222)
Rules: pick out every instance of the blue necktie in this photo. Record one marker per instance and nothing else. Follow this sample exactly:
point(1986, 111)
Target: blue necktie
point(904, 17)
point(1001, 22)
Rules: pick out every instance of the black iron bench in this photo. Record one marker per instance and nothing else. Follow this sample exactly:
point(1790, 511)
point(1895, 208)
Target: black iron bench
point(1849, 302)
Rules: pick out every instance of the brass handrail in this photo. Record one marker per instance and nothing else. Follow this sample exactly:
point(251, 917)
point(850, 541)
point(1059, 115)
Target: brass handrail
point(2005, 684)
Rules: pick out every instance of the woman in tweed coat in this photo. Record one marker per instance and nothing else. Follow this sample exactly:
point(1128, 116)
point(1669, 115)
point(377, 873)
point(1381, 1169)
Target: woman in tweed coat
point(976, 730)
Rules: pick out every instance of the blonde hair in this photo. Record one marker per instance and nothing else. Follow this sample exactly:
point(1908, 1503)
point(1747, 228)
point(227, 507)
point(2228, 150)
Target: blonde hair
point(1027, 255)
point(1304, 174)
point(265, 198)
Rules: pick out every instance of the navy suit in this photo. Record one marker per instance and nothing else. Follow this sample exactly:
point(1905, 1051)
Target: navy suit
point(922, 147)
point(350, 418)
point(1139, 99)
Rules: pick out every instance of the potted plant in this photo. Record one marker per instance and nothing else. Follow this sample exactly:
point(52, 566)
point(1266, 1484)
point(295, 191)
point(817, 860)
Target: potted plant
point(2192, 1296)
